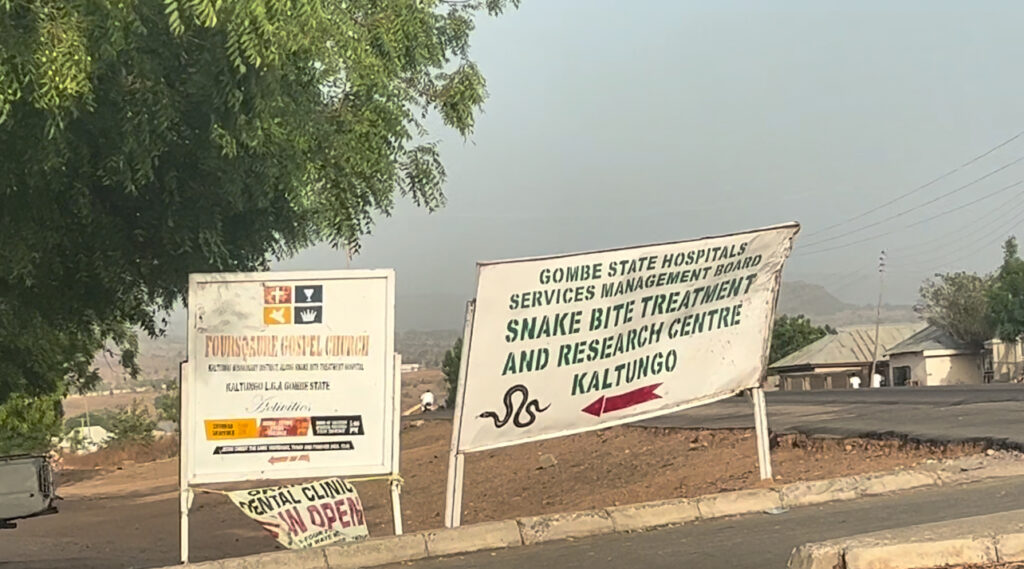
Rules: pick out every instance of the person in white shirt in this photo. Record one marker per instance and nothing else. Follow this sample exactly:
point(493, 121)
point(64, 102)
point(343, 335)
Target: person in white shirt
point(876, 380)
point(854, 381)
point(427, 401)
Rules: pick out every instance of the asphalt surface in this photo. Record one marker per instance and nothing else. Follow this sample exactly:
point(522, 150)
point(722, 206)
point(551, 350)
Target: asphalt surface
point(760, 541)
point(989, 413)
point(977, 413)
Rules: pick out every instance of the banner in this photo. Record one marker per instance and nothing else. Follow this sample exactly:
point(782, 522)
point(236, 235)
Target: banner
point(306, 515)
point(292, 376)
point(572, 343)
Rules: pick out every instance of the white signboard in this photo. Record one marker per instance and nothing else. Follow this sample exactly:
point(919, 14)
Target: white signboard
point(572, 343)
point(291, 375)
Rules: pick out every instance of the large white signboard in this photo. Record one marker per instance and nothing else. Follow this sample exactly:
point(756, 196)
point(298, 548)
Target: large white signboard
point(572, 343)
point(290, 375)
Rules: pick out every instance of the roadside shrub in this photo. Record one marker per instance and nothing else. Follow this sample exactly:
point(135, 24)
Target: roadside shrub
point(28, 424)
point(102, 418)
point(450, 368)
point(133, 424)
point(168, 404)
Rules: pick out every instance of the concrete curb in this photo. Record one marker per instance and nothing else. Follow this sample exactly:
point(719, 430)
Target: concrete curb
point(997, 538)
point(638, 517)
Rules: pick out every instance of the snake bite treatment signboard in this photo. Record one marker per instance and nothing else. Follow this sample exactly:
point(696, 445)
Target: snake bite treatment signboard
point(291, 376)
point(571, 343)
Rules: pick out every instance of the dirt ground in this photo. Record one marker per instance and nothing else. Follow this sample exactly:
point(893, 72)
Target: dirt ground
point(128, 517)
point(76, 405)
point(416, 382)
point(985, 566)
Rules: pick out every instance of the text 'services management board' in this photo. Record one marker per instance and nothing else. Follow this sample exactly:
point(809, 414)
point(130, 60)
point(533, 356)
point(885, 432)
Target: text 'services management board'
point(572, 343)
point(290, 375)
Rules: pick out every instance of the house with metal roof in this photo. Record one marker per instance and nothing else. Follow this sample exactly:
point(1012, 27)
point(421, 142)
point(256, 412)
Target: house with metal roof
point(934, 357)
point(829, 362)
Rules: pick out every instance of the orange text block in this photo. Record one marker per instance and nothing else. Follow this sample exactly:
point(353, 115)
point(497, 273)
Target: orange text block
point(223, 429)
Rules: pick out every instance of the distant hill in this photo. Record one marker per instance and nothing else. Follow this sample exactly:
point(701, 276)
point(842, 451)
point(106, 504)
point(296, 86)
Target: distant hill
point(799, 297)
point(815, 302)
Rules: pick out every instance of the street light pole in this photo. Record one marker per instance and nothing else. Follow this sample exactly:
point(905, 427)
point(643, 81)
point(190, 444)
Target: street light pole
point(878, 315)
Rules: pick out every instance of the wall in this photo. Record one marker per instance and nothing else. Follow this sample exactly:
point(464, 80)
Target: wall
point(954, 370)
point(916, 363)
point(1006, 361)
point(827, 378)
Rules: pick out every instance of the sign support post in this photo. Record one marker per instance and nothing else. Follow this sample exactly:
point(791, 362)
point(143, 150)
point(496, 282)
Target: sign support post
point(185, 493)
point(456, 459)
point(396, 486)
point(764, 457)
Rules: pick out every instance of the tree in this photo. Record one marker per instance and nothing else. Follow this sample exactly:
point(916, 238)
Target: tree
point(132, 425)
point(168, 405)
point(29, 424)
point(146, 140)
point(450, 368)
point(791, 333)
point(1006, 295)
point(958, 304)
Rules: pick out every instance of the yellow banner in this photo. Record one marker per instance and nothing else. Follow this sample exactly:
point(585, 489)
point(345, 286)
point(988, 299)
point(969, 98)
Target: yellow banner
point(225, 429)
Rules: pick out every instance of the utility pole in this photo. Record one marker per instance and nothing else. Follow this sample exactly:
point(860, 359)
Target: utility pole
point(878, 314)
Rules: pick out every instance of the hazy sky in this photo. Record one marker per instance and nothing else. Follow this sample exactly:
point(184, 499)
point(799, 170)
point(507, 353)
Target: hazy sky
point(619, 123)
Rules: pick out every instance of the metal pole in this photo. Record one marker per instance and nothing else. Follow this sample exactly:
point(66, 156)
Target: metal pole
point(764, 457)
point(185, 493)
point(396, 488)
point(878, 316)
point(456, 460)
point(184, 503)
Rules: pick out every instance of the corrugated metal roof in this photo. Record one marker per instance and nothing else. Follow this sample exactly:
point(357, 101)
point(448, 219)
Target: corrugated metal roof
point(849, 345)
point(931, 338)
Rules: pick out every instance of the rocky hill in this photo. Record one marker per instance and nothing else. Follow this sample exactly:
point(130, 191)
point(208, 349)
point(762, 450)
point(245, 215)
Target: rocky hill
point(815, 302)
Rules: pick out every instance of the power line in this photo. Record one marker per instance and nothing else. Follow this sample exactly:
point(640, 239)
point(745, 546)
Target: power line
point(927, 203)
point(921, 187)
point(978, 228)
point(999, 234)
point(916, 223)
point(990, 238)
point(864, 273)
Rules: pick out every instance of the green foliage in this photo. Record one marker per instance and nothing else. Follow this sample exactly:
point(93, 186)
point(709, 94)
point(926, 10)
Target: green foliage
point(791, 333)
point(29, 424)
point(450, 368)
point(958, 304)
point(144, 140)
point(168, 405)
point(102, 418)
point(132, 425)
point(1006, 295)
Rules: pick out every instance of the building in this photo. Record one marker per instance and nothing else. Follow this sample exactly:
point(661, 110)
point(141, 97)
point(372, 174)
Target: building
point(1004, 362)
point(829, 362)
point(82, 440)
point(933, 357)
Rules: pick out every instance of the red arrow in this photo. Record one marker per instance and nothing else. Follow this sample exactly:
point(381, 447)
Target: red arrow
point(618, 402)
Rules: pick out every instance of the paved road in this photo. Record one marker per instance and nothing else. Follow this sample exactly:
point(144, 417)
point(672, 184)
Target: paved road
point(986, 412)
point(754, 542)
point(989, 413)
